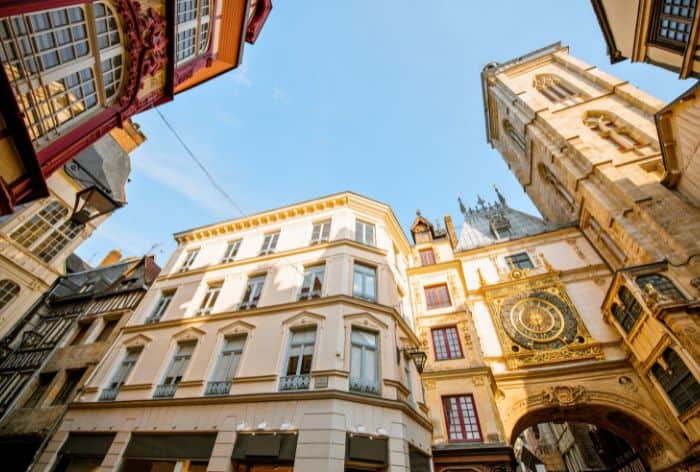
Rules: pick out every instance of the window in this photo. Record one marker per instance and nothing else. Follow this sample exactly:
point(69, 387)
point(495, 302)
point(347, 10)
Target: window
point(175, 371)
point(460, 419)
point(252, 292)
point(520, 261)
point(41, 388)
point(86, 288)
point(193, 28)
point(225, 369)
point(60, 68)
point(69, 384)
point(677, 381)
point(516, 137)
point(364, 362)
point(8, 291)
point(615, 131)
point(161, 306)
point(301, 353)
point(46, 233)
point(672, 22)
point(321, 232)
point(109, 326)
point(446, 343)
point(231, 251)
point(364, 282)
point(500, 226)
point(364, 232)
point(427, 256)
point(269, 244)
point(189, 260)
point(437, 296)
point(83, 329)
point(558, 90)
point(210, 298)
point(662, 285)
point(313, 282)
point(630, 311)
point(122, 373)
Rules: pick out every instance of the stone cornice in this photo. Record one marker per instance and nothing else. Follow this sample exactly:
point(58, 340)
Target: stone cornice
point(273, 256)
point(274, 309)
point(589, 368)
point(259, 398)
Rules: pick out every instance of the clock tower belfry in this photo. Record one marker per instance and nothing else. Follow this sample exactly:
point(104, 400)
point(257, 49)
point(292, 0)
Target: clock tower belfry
point(507, 310)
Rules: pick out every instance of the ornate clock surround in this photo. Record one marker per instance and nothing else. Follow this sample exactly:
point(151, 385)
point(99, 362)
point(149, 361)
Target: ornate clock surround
point(537, 323)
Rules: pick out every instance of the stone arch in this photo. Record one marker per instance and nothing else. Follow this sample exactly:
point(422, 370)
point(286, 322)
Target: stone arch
point(643, 429)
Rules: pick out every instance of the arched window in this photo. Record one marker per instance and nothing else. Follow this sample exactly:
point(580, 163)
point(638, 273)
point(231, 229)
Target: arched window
point(630, 311)
point(662, 285)
point(516, 137)
point(193, 28)
point(60, 67)
point(616, 131)
point(47, 232)
point(681, 387)
point(8, 291)
point(558, 90)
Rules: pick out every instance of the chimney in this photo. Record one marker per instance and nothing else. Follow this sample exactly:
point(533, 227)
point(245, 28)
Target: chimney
point(112, 257)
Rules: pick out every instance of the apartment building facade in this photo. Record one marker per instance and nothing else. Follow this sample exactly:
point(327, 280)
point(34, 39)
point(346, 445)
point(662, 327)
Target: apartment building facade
point(277, 340)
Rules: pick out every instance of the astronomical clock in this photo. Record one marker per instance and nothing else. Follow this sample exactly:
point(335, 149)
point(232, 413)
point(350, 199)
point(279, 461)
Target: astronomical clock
point(537, 323)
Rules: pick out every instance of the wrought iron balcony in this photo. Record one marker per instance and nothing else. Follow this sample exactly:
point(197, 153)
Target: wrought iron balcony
point(109, 394)
point(247, 305)
point(218, 388)
point(151, 320)
point(295, 382)
point(310, 294)
point(363, 386)
point(165, 391)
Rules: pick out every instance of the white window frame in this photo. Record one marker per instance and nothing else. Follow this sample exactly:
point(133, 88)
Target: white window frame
point(188, 261)
point(232, 248)
point(321, 232)
point(47, 232)
point(200, 25)
point(269, 244)
point(166, 296)
point(210, 297)
point(181, 368)
point(253, 291)
point(311, 274)
point(302, 345)
point(125, 367)
point(230, 348)
point(42, 116)
point(9, 291)
point(365, 276)
point(365, 233)
point(362, 382)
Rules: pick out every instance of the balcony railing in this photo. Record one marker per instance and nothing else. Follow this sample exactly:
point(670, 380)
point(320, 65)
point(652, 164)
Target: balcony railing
point(295, 382)
point(109, 394)
point(218, 388)
point(165, 391)
point(364, 386)
point(310, 294)
point(247, 305)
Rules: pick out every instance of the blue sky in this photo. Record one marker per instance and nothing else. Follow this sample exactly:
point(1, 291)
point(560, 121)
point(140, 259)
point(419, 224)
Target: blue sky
point(382, 98)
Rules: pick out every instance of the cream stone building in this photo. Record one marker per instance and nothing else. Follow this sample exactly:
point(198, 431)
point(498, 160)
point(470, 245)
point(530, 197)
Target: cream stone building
point(583, 145)
point(37, 239)
point(274, 341)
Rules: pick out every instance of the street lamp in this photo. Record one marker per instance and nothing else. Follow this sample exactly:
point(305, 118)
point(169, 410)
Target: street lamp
point(93, 202)
point(418, 356)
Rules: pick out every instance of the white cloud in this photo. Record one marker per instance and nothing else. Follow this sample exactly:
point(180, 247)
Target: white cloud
point(240, 76)
point(187, 180)
point(280, 95)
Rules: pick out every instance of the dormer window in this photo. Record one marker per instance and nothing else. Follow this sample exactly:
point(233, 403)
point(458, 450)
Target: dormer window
point(500, 227)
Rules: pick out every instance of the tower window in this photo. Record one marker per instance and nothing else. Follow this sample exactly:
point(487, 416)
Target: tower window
point(558, 90)
point(520, 261)
point(513, 134)
point(615, 131)
point(678, 382)
point(672, 22)
point(629, 312)
point(427, 256)
point(662, 285)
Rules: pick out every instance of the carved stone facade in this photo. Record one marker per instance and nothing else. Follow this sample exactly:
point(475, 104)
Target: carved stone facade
point(602, 159)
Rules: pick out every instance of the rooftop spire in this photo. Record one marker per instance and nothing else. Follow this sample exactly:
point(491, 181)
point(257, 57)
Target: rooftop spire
point(462, 208)
point(501, 198)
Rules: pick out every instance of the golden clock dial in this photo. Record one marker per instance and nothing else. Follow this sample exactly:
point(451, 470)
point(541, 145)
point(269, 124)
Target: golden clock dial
point(538, 320)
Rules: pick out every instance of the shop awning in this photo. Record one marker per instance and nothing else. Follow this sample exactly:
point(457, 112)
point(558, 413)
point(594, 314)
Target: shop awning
point(363, 448)
point(280, 447)
point(87, 445)
point(170, 446)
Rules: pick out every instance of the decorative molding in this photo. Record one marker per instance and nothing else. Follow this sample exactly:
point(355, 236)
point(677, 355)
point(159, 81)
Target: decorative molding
point(564, 395)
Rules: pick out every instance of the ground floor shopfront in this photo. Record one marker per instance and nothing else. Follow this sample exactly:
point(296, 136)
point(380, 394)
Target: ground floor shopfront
point(333, 434)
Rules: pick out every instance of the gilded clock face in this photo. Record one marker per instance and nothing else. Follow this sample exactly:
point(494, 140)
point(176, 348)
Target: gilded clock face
point(538, 320)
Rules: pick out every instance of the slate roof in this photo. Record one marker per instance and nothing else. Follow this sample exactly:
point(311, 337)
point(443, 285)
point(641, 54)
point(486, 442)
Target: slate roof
point(481, 223)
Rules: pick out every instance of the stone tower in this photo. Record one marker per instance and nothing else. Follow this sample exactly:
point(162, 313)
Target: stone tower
point(584, 146)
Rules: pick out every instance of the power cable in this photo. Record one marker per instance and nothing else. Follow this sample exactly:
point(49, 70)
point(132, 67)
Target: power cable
point(200, 165)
